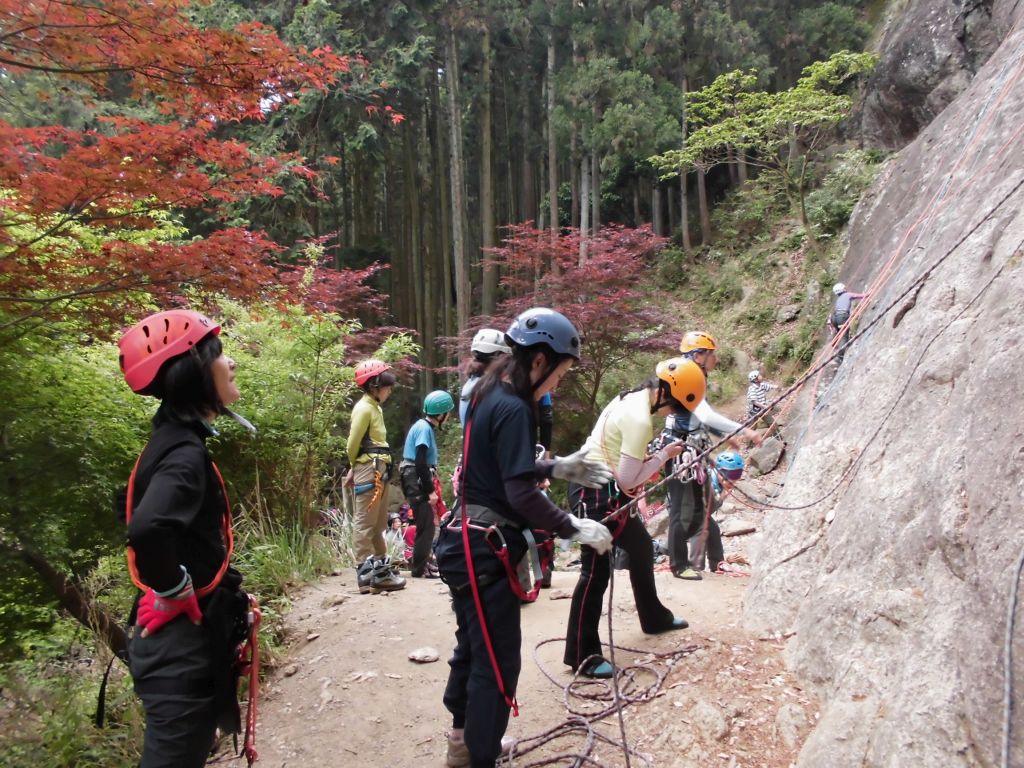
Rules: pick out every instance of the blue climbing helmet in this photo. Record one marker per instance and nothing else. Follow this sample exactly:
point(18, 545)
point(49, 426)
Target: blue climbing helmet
point(541, 325)
point(437, 403)
point(730, 465)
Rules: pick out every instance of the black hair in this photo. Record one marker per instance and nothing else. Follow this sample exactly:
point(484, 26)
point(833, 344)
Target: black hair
point(516, 368)
point(382, 379)
point(480, 362)
point(185, 384)
point(664, 394)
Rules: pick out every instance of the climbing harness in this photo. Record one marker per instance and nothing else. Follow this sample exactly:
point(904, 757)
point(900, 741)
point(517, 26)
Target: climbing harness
point(229, 540)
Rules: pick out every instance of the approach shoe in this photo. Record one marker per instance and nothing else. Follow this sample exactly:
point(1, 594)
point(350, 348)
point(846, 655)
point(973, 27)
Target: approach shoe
point(385, 577)
point(599, 669)
point(458, 752)
point(689, 574)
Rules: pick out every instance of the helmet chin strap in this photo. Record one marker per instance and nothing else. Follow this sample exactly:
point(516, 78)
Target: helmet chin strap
point(241, 420)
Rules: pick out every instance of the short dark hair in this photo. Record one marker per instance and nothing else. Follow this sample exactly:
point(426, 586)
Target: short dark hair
point(185, 384)
point(382, 379)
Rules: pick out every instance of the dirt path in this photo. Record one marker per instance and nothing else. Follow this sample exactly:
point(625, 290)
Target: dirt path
point(348, 695)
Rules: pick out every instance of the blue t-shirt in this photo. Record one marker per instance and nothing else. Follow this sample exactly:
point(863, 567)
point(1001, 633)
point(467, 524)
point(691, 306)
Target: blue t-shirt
point(421, 433)
point(500, 448)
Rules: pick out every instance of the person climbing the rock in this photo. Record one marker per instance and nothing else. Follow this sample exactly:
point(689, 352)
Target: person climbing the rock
point(420, 484)
point(706, 544)
point(686, 496)
point(620, 439)
point(192, 614)
point(370, 459)
point(484, 538)
point(840, 315)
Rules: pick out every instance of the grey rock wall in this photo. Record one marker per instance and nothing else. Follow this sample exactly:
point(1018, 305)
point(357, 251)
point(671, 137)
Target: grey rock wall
point(897, 584)
point(930, 51)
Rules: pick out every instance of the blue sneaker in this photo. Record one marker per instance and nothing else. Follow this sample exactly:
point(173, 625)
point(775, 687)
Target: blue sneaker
point(598, 668)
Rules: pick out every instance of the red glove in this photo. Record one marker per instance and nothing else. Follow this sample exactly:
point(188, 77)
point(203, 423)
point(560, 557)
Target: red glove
point(155, 611)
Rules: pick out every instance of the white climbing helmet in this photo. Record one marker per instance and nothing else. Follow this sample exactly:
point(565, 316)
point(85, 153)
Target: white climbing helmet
point(489, 341)
point(839, 289)
point(754, 375)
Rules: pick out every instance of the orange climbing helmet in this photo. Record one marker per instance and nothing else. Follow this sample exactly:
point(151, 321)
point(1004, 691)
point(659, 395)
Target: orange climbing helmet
point(685, 380)
point(695, 341)
point(369, 369)
point(163, 336)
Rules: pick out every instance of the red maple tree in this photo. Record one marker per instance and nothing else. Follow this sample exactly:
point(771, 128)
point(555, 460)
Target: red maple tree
point(76, 204)
point(607, 297)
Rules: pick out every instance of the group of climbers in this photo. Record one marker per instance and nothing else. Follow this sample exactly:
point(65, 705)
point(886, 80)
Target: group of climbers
point(180, 537)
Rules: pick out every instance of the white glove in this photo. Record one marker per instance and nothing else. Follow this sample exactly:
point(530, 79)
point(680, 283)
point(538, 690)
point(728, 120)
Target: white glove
point(592, 533)
point(576, 468)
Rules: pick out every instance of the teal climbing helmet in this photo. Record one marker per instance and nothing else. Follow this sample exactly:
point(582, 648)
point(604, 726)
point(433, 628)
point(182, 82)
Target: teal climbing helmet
point(437, 402)
point(730, 465)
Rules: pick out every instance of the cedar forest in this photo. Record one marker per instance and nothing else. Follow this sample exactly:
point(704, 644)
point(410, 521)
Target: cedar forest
point(338, 178)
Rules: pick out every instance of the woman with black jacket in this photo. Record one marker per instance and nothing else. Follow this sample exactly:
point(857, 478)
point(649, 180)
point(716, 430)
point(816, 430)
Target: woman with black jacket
point(483, 541)
point(192, 615)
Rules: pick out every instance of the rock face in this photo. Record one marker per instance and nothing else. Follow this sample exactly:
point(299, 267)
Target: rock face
point(930, 51)
point(899, 604)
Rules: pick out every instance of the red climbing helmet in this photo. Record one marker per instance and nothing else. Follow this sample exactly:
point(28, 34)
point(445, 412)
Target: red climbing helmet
point(150, 343)
point(367, 369)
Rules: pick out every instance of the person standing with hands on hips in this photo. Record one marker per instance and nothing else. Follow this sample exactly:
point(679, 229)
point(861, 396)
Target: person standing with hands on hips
point(192, 615)
point(370, 459)
point(418, 472)
point(485, 537)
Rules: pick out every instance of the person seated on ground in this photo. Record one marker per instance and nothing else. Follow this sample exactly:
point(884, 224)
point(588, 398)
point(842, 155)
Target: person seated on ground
point(706, 545)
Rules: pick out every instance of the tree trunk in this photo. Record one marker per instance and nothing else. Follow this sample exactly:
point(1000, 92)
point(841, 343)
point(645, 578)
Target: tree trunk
point(636, 201)
point(671, 208)
point(702, 201)
point(741, 166)
point(490, 272)
point(730, 160)
point(656, 217)
point(457, 174)
point(584, 207)
point(552, 149)
point(73, 600)
point(443, 218)
point(684, 199)
point(574, 215)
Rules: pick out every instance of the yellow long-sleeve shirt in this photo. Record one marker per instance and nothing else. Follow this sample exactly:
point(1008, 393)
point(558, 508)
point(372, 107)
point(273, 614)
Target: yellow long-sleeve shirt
point(367, 432)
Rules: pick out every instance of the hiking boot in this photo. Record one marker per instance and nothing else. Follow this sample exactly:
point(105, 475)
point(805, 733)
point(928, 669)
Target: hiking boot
point(458, 753)
point(689, 574)
point(364, 576)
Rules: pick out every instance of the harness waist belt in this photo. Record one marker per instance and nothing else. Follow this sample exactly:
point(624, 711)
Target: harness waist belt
point(481, 514)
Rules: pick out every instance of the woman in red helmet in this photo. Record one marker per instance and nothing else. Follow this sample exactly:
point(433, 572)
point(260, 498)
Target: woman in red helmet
point(370, 459)
point(192, 614)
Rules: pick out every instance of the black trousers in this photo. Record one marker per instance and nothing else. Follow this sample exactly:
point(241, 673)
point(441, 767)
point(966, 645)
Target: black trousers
point(582, 638)
point(424, 541)
point(685, 518)
point(173, 677)
point(472, 694)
